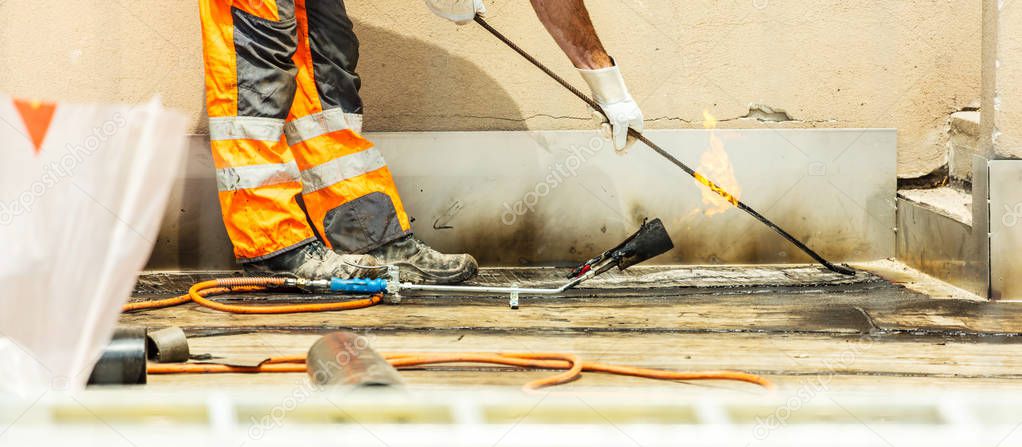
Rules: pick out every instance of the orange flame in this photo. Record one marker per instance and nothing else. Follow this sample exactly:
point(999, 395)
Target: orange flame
point(722, 192)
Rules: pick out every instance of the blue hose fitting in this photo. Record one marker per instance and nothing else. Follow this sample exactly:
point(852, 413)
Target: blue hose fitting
point(338, 285)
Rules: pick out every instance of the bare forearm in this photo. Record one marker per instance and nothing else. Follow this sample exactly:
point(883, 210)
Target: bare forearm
point(569, 24)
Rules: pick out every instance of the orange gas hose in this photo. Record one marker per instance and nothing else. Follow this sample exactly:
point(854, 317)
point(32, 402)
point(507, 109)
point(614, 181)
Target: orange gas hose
point(555, 362)
point(659, 374)
point(201, 290)
point(169, 302)
point(568, 362)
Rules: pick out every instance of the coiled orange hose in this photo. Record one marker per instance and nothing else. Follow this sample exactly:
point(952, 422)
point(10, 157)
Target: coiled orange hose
point(201, 290)
point(569, 362)
point(295, 364)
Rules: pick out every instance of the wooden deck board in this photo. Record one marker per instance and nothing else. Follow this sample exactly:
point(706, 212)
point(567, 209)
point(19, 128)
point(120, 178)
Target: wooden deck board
point(460, 379)
point(847, 311)
point(794, 358)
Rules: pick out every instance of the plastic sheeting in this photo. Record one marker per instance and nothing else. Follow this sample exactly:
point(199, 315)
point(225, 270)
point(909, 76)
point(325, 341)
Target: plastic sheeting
point(82, 192)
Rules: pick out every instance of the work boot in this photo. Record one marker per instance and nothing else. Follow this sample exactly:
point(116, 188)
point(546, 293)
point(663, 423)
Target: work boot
point(421, 264)
point(315, 261)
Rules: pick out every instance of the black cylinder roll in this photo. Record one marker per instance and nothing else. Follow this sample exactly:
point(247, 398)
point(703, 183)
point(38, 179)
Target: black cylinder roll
point(123, 361)
point(344, 358)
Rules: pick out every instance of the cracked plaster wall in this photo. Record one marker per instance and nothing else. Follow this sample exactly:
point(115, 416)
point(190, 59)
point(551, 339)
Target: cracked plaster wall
point(1001, 122)
point(905, 64)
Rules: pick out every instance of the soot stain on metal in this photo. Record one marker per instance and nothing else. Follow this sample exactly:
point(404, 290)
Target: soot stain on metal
point(495, 247)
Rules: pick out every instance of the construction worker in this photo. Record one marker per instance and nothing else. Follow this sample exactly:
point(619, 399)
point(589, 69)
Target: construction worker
point(301, 191)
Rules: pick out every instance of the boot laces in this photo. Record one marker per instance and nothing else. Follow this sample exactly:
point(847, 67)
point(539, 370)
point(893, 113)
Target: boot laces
point(421, 246)
point(318, 251)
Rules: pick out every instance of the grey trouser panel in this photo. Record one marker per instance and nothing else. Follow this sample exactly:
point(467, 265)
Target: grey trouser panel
point(363, 224)
point(334, 55)
point(266, 70)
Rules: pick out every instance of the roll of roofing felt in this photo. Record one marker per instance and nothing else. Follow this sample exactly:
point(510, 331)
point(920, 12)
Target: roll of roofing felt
point(168, 345)
point(123, 361)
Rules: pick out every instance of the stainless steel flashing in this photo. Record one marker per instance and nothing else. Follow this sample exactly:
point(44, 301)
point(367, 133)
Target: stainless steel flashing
point(981, 222)
point(532, 198)
point(1005, 229)
point(192, 234)
point(938, 245)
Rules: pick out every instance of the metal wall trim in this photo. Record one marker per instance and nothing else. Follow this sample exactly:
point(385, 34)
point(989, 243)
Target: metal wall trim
point(1006, 229)
point(940, 246)
point(552, 197)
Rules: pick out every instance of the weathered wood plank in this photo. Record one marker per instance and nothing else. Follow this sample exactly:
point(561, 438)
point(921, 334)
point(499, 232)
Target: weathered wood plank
point(731, 313)
point(625, 386)
point(851, 312)
point(795, 358)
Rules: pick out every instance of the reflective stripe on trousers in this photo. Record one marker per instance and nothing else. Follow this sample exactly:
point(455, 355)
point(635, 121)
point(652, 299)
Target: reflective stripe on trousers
point(268, 130)
point(256, 176)
point(245, 128)
point(341, 169)
point(322, 123)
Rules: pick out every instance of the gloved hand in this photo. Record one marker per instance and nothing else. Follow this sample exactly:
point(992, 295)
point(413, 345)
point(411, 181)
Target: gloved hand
point(457, 11)
point(621, 111)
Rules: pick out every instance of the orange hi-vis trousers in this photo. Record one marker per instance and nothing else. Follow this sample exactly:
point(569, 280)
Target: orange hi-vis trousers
point(285, 121)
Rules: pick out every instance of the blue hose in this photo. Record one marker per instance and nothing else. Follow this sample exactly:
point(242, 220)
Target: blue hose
point(338, 285)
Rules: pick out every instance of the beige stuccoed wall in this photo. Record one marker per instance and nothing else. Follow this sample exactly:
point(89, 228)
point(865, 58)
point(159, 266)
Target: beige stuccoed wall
point(828, 63)
point(1002, 78)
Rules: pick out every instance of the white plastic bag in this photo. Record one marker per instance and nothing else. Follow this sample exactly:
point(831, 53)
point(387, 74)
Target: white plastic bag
point(82, 193)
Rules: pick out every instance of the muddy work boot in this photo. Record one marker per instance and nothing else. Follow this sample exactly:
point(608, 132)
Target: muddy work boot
point(315, 261)
point(421, 264)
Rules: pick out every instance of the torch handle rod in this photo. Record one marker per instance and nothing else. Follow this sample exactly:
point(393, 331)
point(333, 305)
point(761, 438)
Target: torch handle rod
point(663, 153)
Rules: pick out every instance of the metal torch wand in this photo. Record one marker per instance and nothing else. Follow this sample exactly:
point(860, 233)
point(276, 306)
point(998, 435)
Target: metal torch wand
point(844, 270)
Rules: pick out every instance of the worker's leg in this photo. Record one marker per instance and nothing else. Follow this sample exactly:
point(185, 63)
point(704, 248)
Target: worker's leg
point(349, 192)
point(250, 85)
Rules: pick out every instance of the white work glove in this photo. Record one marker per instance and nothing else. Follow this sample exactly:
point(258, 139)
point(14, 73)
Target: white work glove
point(621, 111)
point(457, 11)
